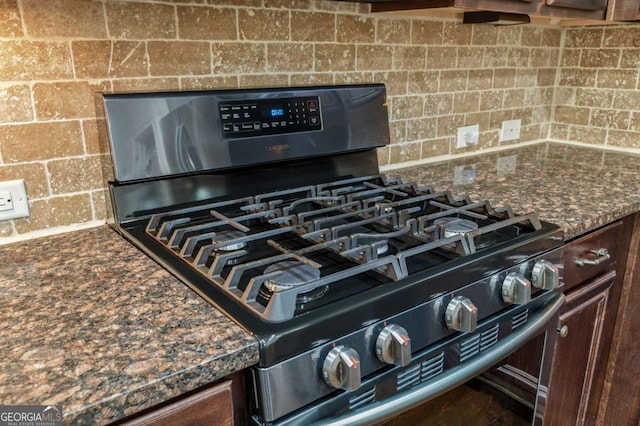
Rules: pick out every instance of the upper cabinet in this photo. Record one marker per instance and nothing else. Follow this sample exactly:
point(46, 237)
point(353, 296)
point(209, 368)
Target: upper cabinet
point(623, 10)
point(566, 12)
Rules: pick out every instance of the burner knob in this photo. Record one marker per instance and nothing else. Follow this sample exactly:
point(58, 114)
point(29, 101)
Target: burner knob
point(393, 345)
point(461, 314)
point(545, 275)
point(341, 368)
point(516, 289)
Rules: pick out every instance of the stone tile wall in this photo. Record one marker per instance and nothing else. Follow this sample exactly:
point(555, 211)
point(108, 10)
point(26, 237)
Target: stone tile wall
point(597, 99)
point(55, 55)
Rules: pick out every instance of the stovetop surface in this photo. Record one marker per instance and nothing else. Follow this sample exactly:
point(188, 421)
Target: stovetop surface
point(378, 247)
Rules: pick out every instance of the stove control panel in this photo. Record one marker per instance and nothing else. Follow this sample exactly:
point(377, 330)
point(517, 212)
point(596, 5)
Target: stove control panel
point(270, 116)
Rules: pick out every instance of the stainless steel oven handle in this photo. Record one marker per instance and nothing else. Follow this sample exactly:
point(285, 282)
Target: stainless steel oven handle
point(392, 406)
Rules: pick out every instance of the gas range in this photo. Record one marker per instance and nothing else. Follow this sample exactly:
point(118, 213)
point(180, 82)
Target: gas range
point(269, 204)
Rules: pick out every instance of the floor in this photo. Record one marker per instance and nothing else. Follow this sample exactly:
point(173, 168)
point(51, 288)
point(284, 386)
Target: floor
point(473, 404)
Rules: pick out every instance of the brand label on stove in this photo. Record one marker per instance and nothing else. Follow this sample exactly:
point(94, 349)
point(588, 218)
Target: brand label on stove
point(278, 148)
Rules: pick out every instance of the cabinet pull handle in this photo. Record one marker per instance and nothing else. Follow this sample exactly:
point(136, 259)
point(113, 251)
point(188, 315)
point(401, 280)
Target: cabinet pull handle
point(602, 253)
point(563, 331)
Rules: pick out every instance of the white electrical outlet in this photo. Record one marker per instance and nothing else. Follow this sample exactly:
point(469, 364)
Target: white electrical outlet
point(510, 130)
point(507, 165)
point(468, 136)
point(13, 200)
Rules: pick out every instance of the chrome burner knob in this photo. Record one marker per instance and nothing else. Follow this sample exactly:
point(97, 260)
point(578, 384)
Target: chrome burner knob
point(461, 314)
point(393, 345)
point(341, 368)
point(516, 289)
point(545, 275)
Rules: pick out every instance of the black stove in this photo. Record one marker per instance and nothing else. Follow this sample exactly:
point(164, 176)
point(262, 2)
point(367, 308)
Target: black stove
point(269, 204)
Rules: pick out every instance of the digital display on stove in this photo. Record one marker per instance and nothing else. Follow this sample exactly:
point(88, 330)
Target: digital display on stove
point(260, 117)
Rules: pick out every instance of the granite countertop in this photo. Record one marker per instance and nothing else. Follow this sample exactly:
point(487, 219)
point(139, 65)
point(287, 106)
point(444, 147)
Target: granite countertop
point(577, 188)
point(92, 324)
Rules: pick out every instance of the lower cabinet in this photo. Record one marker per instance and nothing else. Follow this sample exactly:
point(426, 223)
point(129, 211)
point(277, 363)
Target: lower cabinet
point(620, 404)
point(221, 404)
point(595, 277)
point(213, 405)
point(579, 348)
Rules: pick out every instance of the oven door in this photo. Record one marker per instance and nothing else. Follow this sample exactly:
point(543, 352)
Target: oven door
point(505, 384)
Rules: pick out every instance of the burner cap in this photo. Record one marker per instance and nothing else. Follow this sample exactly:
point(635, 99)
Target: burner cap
point(293, 273)
point(454, 226)
point(230, 234)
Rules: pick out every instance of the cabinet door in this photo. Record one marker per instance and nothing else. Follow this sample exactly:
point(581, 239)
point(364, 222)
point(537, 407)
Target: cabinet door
point(578, 352)
point(623, 10)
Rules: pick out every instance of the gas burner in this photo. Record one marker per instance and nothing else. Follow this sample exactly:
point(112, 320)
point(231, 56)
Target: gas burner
point(451, 226)
point(382, 248)
point(229, 235)
point(292, 273)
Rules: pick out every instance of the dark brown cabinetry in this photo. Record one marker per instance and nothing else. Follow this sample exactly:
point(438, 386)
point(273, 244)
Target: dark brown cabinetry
point(594, 268)
point(579, 349)
point(620, 403)
point(623, 10)
point(223, 403)
point(566, 9)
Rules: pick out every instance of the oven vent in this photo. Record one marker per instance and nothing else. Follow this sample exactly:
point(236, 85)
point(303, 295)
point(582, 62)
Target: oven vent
point(432, 367)
point(519, 319)
point(469, 347)
point(362, 398)
point(408, 378)
point(489, 337)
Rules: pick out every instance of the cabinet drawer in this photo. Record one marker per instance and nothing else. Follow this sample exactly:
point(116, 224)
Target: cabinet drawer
point(212, 406)
point(585, 257)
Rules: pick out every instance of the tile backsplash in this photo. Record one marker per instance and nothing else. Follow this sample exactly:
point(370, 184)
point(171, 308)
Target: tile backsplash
point(597, 99)
point(56, 55)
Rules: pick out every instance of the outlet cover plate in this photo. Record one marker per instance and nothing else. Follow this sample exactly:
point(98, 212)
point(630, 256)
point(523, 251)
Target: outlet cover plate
point(510, 130)
point(468, 136)
point(14, 200)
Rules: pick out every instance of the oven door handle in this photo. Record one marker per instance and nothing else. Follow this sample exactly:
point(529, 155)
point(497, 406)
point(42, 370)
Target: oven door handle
point(397, 404)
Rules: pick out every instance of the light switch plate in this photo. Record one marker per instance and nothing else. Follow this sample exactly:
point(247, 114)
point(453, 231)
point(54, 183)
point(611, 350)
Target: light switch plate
point(13, 200)
point(510, 130)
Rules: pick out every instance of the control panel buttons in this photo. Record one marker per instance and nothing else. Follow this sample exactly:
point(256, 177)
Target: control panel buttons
point(545, 275)
point(270, 116)
point(341, 368)
point(461, 314)
point(516, 289)
point(393, 345)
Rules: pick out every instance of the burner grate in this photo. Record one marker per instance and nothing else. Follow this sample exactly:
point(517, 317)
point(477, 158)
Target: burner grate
point(342, 229)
